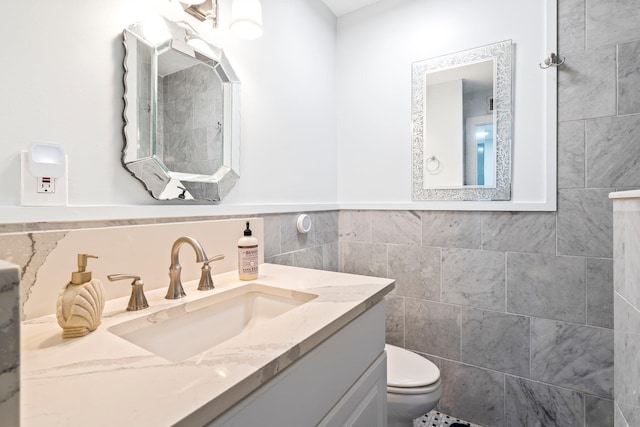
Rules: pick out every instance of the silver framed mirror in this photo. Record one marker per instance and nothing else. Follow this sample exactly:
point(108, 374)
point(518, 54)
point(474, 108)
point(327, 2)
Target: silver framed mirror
point(462, 125)
point(181, 113)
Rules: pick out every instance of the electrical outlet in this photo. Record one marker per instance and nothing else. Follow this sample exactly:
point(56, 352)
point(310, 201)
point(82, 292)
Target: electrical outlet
point(46, 184)
point(42, 191)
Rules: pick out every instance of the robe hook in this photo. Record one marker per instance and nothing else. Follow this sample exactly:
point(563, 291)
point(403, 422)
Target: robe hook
point(552, 61)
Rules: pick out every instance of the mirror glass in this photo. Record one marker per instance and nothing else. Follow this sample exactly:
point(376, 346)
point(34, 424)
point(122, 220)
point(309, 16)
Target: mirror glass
point(461, 114)
point(181, 113)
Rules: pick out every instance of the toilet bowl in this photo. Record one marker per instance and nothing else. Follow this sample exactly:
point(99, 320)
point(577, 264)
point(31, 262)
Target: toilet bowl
point(413, 386)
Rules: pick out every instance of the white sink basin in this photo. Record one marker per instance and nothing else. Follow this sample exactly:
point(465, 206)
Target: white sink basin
point(180, 332)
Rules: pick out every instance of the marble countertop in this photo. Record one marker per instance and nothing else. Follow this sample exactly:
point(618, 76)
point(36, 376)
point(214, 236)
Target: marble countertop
point(628, 194)
point(102, 379)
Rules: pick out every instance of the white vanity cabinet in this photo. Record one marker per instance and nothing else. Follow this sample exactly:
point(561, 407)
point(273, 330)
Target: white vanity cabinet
point(319, 363)
point(341, 382)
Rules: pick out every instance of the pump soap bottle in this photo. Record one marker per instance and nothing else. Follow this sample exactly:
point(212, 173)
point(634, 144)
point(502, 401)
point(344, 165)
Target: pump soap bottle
point(80, 303)
point(248, 256)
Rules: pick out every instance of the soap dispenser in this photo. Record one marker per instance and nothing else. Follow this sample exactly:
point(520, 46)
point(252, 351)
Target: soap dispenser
point(80, 303)
point(248, 256)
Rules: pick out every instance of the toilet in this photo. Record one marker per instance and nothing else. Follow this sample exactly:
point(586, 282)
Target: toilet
point(413, 386)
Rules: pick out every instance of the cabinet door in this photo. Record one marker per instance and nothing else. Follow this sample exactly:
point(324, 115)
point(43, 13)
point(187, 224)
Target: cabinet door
point(365, 404)
point(305, 392)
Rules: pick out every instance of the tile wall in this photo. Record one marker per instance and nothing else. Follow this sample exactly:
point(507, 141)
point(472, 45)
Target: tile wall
point(9, 344)
point(627, 312)
point(521, 333)
point(316, 249)
point(517, 308)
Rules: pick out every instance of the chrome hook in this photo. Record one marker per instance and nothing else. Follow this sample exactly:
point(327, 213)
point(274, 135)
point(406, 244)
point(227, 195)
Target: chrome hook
point(552, 61)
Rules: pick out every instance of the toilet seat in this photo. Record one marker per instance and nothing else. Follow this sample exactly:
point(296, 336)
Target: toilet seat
point(414, 390)
point(409, 373)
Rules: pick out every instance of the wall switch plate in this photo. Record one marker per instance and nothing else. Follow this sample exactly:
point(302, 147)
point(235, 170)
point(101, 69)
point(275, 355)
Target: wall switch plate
point(41, 191)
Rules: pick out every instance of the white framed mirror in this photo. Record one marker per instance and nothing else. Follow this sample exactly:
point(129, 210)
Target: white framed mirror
point(181, 113)
point(462, 125)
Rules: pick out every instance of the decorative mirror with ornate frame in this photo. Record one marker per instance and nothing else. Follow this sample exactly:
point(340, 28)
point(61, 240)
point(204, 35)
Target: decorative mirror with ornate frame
point(462, 121)
point(181, 113)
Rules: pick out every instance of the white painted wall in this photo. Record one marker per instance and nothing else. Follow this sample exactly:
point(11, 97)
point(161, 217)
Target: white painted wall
point(376, 47)
point(325, 117)
point(61, 80)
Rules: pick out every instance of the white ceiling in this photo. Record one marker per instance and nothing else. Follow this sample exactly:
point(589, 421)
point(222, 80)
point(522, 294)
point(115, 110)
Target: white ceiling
point(342, 7)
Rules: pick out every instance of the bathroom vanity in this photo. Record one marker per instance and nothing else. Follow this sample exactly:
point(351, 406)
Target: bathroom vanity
point(320, 362)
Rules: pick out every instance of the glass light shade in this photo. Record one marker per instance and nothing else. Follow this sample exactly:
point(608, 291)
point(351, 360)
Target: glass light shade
point(155, 30)
point(201, 46)
point(246, 19)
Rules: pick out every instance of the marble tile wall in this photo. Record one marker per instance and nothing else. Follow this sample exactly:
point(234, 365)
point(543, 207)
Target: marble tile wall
point(316, 249)
point(523, 333)
point(627, 312)
point(599, 118)
point(9, 344)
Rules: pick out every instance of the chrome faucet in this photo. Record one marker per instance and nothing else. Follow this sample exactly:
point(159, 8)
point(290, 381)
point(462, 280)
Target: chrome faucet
point(175, 290)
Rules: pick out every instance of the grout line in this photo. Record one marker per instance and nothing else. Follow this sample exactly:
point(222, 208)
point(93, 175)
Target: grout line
point(506, 286)
point(617, 59)
point(482, 224)
point(556, 220)
point(441, 272)
point(386, 270)
point(421, 228)
point(584, 37)
point(461, 311)
point(404, 323)
point(504, 399)
point(584, 148)
point(627, 301)
point(530, 348)
point(586, 291)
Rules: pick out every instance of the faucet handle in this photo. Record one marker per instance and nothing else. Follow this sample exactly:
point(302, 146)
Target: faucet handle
point(206, 282)
point(137, 301)
point(214, 258)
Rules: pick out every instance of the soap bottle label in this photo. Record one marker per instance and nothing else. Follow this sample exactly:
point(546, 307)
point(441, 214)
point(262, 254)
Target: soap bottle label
point(248, 260)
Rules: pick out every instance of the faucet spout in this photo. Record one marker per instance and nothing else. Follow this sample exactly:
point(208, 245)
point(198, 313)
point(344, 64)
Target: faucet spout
point(175, 290)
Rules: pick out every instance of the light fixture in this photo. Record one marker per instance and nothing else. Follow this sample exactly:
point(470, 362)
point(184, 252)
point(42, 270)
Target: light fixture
point(155, 30)
point(43, 175)
point(46, 159)
point(246, 19)
point(199, 44)
point(246, 15)
point(202, 10)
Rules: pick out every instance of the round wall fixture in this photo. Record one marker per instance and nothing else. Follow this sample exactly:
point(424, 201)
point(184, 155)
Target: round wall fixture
point(303, 223)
